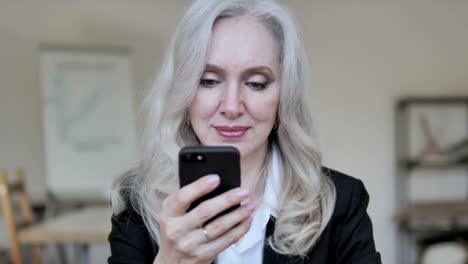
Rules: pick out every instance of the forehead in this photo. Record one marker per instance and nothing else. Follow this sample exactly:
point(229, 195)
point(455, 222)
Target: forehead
point(243, 41)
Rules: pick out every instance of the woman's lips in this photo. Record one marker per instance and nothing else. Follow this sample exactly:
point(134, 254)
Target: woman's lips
point(231, 132)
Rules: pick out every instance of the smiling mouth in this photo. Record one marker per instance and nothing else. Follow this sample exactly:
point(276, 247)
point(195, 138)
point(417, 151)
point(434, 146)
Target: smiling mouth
point(231, 132)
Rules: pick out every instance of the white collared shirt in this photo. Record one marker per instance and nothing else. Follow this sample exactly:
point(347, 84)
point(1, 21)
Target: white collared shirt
point(249, 249)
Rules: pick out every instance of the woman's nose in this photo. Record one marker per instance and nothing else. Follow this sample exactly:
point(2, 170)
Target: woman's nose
point(232, 103)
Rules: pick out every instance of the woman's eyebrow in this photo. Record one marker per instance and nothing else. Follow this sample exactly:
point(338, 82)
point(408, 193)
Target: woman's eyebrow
point(257, 69)
point(213, 68)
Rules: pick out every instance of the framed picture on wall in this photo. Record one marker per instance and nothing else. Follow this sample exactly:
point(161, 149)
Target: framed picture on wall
point(88, 118)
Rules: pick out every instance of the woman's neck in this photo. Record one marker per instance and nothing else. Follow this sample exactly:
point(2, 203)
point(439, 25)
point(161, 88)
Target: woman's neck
point(251, 170)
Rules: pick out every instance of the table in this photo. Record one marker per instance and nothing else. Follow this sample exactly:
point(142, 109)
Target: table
point(81, 227)
point(427, 223)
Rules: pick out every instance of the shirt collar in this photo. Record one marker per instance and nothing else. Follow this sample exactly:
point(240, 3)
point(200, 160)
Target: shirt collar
point(273, 183)
point(262, 215)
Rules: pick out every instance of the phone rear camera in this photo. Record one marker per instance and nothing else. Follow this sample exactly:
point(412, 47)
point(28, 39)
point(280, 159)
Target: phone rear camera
point(188, 157)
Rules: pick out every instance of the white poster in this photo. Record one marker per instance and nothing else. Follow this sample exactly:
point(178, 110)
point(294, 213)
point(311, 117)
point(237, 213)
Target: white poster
point(88, 119)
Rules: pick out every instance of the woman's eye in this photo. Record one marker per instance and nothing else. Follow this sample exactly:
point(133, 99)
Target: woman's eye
point(257, 85)
point(209, 82)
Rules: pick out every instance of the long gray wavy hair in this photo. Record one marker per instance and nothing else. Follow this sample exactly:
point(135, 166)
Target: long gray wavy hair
point(307, 196)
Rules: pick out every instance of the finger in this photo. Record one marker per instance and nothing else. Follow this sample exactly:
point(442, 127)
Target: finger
point(226, 222)
point(209, 208)
point(178, 202)
point(219, 244)
point(217, 228)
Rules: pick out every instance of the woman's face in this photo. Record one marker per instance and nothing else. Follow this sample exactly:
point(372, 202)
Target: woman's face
point(238, 95)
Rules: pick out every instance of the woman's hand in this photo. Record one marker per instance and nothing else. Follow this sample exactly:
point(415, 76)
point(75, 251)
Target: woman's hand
point(184, 239)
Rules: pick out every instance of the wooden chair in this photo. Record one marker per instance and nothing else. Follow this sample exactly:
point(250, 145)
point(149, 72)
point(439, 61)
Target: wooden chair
point(14, 229)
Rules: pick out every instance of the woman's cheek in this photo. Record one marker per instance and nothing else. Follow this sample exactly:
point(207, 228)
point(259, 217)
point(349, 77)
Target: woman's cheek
point(205, 101)
point(264, 108)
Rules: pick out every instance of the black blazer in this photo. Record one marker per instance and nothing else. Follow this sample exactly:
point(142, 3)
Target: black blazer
point(347, 239)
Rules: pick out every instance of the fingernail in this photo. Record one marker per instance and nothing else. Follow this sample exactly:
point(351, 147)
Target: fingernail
point(212, 180)
point(245, 202)
point(242, 194)
point(250, 207)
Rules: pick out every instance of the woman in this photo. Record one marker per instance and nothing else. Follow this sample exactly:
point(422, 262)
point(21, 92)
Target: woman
point(235, 74)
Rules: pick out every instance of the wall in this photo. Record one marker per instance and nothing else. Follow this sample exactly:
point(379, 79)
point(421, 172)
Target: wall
point(144, 27)
point(364, 54)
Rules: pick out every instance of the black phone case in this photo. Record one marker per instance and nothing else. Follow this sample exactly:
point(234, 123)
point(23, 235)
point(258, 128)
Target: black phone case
point(223, 161)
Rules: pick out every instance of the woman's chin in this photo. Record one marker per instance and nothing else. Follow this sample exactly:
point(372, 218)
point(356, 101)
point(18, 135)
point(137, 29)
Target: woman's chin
point(238, 145)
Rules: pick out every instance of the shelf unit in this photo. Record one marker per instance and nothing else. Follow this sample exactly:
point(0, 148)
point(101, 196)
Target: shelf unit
point(423, 223)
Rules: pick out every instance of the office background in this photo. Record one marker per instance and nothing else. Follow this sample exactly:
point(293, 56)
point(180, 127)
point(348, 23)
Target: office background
point(364, 55)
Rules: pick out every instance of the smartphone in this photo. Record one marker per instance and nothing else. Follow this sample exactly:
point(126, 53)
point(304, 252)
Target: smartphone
point(196, 162)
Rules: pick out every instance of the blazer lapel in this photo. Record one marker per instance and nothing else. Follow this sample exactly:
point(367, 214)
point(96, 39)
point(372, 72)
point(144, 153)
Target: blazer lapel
point(272, 257)
point(269, 255)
